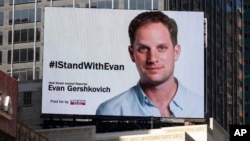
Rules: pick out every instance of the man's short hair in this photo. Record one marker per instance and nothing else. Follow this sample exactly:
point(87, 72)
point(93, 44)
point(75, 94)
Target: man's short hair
point(153, 17)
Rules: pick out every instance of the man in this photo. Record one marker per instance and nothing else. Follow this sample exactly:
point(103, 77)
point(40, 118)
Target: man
point(154, 50)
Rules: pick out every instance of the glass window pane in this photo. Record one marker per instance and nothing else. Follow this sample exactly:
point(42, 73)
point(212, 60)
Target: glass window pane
point(30, 54)
point(1, 18)
point(9, 56)
point(10, 17)
point(38, 31)
point(17, 36)
point(125, 4)
point(16, 56)
point(108, 4)
point(10, 1)
point(140, 4)
point(37, 73)
point(105, 4)
point(38, 54)
point(116, 4)
point(94, 5)
point(22, 75)
point(27, 98)
point(1, 37)
point(1, 2)
point(133, 4)
point(29, 74)
point(38, 15)
point(31, 15)
point(23, 55)
point(101, 4)
point(24, 1)
point(18, 1)
point(9, 37)
point(76, 6)
point(155, 4)
point(16, 74)
point(31, 35)
point(17, 16)
point(148, 4)
point(24, 16)
point(24, 36)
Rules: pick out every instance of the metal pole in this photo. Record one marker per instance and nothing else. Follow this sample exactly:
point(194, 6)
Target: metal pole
point(12, 38)
point(34, 44)
point(152, 4)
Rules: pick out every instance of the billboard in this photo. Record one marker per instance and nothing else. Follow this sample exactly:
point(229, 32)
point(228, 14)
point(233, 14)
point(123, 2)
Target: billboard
point(87, 62)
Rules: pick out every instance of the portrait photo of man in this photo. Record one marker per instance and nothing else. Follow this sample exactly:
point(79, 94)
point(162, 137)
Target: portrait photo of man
point(135, 63)
point(154, 50)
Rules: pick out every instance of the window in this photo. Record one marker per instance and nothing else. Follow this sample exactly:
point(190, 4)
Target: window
point(141, 4)
point(31, 36)
point(70, 5)
point(247, 87)
point(1, 18)
point(25, 73)
point(24, 35)
point(25, 16)
point(17, 36)
point(30, 54)
point(247, 35)
point(196, 5)
point(24, 55)
point(38, 15)
point(247, 22)
point(10, 37)
point(22, 1)
point(27, 98)
point(38, 32)
point(1, 2)
point(17, 15)
point(1, 38)
point(16, 55)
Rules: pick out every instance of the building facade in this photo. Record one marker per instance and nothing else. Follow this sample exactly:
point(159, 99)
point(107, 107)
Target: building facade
point(8, 107)
point(21, 47)
point(210, 131)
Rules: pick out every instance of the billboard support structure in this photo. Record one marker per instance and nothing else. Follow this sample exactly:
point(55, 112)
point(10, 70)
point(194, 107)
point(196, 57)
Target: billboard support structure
point(114, 123)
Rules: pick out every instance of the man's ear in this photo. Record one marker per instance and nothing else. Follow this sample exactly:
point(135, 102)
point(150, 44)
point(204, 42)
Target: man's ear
point(131, 53)
point(177, 51)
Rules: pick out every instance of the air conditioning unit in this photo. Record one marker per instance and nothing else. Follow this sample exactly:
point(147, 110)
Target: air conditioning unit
point(7, 106)
point(1, 100)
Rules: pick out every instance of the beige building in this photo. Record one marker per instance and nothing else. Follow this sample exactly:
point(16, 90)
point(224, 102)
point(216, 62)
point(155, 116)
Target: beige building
point(203, 132)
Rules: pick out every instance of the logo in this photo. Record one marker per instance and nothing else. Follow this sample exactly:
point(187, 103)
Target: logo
point(239, 132)
point(77, 102)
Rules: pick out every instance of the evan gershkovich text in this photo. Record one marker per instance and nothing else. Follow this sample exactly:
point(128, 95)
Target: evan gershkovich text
point(72, 88)
point(85, 65)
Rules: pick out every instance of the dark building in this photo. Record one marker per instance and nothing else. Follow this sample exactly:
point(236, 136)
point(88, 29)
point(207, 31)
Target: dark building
point(247, 59)
point(21, 48)
point(224, 54)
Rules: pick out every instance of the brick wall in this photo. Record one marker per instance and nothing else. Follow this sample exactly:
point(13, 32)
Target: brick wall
point(9, 87)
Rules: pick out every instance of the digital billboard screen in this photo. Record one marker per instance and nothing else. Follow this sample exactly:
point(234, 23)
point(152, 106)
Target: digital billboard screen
point(91, 65)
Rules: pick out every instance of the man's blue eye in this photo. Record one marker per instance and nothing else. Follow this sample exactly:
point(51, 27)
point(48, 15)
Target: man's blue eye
point(142, 49)
point(162, 48)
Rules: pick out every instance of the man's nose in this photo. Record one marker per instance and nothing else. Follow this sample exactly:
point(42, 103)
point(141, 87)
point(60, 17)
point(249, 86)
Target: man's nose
point(152, 56)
